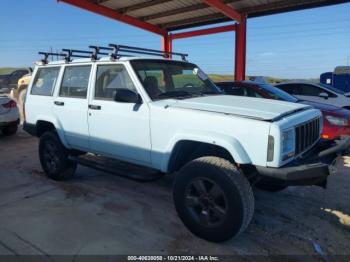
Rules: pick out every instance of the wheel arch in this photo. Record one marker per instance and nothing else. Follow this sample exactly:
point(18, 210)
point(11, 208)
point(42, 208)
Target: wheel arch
point(187, 148)
point(43, 125)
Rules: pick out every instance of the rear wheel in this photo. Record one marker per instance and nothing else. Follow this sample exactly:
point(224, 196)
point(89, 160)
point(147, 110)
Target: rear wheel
point(213, 199)
point(54, 157)
point(10, 130)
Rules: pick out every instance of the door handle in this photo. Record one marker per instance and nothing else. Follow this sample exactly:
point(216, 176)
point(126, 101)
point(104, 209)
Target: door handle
point(58, 103)
point(95, 107)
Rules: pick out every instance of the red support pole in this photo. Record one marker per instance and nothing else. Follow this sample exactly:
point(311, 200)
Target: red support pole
point(167, 43)
point(240, 52)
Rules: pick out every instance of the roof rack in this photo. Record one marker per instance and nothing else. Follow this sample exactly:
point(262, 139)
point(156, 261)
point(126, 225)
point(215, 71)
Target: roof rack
point(144, 51)
point(115, 52)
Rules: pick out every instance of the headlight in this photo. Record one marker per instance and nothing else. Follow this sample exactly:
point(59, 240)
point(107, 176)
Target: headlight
point(288, 144)
point(337, 121)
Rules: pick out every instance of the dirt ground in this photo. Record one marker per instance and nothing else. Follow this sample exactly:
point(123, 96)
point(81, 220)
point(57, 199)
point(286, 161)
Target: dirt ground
point(99, 213)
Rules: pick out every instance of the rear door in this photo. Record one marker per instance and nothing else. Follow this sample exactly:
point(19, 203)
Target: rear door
point(70, 105)
point(117, 129)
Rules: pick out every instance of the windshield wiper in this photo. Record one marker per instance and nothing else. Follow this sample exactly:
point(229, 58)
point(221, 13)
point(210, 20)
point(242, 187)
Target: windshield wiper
point(210, 93)
point(177, 94)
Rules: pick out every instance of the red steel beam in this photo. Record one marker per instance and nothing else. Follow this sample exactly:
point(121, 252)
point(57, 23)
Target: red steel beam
point(240, 52)
point(207, 31)
point(220, 6)
point(167, 43)
point(108, 12)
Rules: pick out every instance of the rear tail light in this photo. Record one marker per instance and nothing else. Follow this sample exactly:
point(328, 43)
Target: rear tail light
point(10, 104)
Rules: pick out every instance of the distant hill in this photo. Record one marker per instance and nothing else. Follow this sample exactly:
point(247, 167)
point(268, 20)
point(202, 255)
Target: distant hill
point(7, 70)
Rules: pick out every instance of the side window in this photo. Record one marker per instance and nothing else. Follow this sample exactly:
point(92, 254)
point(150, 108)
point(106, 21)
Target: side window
point(109, 78)
point(252, 93)
point(236, 91)
point(75, 81)
point(45, 81)
point(309, 90)
point(289, 89)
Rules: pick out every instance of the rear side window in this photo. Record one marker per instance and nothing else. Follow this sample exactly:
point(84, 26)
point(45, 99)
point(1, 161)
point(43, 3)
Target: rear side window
point(45, 81)
point(75, 81)
point(309, 90)
point(109, 78)
point(291, 89)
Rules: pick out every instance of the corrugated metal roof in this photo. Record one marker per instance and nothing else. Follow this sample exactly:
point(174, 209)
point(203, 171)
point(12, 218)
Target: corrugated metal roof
point(178, 14)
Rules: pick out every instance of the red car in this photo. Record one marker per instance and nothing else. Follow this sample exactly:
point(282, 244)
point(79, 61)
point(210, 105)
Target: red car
point(336, 120)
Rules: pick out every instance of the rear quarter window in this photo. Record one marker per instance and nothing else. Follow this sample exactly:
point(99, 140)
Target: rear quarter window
point(45, 81)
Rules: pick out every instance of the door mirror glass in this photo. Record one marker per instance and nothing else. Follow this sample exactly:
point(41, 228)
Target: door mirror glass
point(323, 95)
point(125, 95)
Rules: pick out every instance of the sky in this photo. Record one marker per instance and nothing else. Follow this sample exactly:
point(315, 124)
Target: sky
point(301, 44)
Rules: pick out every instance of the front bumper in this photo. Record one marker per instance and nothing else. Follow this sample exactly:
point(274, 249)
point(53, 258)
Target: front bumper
point(312, 168)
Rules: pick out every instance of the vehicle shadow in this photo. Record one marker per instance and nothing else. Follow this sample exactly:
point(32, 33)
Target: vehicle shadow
point(292, 221)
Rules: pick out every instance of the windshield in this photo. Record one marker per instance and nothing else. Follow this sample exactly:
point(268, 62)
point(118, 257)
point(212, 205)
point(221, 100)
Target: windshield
point(171, 79)
point(336, 90)
point(277, 94)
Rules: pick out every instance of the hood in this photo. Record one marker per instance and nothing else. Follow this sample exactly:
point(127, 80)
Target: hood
point(255, 108)
point(320, 106)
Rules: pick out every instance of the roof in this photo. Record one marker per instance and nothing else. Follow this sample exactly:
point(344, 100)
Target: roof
point(170, 15)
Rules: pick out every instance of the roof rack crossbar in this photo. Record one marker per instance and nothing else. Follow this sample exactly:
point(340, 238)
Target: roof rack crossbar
point(72, 53)
point(47, 54)
point(146, 51)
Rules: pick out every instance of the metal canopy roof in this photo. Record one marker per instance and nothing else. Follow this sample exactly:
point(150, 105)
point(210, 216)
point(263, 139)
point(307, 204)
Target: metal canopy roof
point(172, 15)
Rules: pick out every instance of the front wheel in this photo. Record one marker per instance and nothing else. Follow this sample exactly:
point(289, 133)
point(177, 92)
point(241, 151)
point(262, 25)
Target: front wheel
point(54, 157)
point(213, 199)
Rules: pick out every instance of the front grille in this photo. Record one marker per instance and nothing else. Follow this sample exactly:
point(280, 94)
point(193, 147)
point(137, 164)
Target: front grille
point(306, 135)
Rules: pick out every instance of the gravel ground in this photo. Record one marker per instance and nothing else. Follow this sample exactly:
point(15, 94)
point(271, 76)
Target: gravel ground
point(99, 213)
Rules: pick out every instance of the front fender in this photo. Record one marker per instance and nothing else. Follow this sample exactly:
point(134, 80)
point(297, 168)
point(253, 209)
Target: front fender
point(231, 144)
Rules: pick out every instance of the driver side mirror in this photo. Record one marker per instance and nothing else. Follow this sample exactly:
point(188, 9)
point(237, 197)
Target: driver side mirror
point(323, 95)
point(125, 95)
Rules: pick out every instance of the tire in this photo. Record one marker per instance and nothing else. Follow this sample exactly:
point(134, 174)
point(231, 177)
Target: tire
point(213, 199)
point(54, 157)
point(10, 130)
point(270, 186)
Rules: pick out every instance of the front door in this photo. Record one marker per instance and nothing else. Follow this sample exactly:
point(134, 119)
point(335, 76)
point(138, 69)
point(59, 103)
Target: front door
point(70, 105)
point(117, 129)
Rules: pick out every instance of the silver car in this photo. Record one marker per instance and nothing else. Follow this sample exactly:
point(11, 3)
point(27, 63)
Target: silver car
point(317, 92)
point(9, 116)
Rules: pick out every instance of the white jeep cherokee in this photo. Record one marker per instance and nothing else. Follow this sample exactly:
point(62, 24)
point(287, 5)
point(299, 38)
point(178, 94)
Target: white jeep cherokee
point(167, 115)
